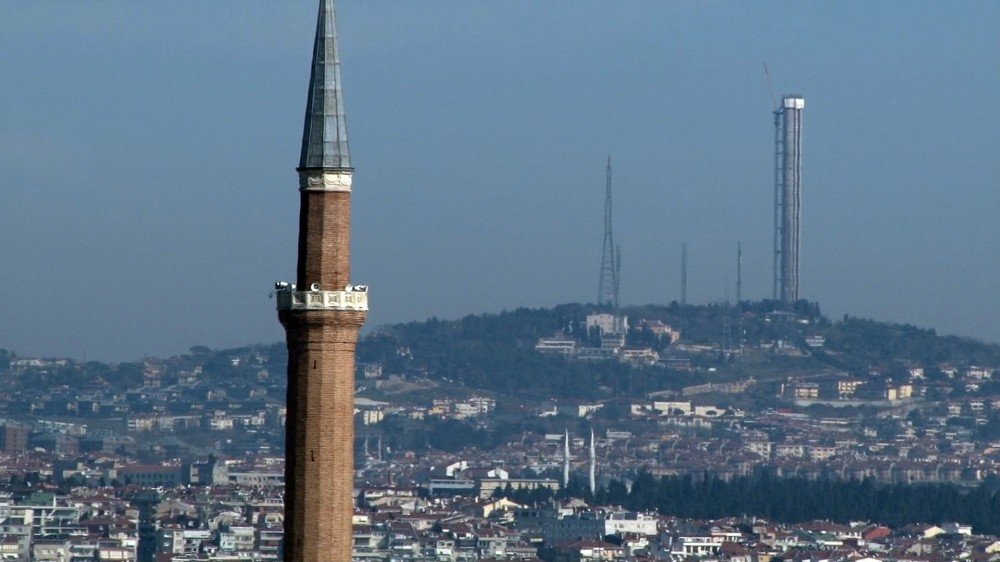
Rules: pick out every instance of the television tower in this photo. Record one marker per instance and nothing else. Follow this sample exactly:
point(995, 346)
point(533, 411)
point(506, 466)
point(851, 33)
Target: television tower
point(607, 292)
point(322, 314)
point(787, 197)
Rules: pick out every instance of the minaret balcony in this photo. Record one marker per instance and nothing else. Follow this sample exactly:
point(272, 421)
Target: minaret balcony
point(351, 298)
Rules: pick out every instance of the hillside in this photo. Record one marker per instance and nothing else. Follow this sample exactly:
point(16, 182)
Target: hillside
point(496, 351)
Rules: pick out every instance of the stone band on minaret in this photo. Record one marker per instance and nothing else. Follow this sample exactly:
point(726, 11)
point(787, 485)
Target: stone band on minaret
point(322, 315)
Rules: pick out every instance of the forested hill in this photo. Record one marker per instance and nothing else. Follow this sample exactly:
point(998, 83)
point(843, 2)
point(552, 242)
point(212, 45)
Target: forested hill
point(496, 351)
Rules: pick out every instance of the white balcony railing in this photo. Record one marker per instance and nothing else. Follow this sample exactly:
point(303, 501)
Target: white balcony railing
point(352, 298)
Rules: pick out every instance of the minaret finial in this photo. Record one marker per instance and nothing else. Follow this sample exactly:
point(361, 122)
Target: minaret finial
point(324, 138)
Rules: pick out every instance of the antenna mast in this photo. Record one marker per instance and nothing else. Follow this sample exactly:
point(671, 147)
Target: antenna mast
point(727, 321)
point(684, 274)
point(739, 299)
point(607, 291)
point(618, 275)
point(739, 272)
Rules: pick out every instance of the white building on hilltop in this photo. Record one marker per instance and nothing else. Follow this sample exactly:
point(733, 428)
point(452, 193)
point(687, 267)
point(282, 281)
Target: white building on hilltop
point(608, 323)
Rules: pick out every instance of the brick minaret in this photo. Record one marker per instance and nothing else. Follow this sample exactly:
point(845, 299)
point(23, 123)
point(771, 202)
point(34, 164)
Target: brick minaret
point(322, 314)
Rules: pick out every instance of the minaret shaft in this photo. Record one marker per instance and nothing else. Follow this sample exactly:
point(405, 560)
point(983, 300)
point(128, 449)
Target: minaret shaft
point(319, 466)
point(324, 239)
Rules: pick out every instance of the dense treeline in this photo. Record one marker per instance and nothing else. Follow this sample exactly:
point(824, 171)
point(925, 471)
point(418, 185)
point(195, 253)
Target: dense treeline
point(871, 341)
point(795, 499)
point(792, 500)
point(403, 434)
point(496, 352)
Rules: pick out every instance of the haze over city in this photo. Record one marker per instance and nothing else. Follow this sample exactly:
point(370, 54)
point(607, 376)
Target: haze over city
point(148, 159)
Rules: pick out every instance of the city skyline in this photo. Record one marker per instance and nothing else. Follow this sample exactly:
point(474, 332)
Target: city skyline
point(155, 179)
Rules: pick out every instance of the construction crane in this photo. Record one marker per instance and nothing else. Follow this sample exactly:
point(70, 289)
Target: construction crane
point(770, 87)
point(778, 202)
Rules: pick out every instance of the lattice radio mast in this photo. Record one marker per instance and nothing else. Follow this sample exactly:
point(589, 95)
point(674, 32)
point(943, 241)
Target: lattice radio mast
point(739, 299)
point(607, 292)
point(739, 272)
point(684, 274)
point(618, 275)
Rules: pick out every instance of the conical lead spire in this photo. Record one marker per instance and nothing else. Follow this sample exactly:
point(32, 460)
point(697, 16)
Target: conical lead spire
point(324, 138)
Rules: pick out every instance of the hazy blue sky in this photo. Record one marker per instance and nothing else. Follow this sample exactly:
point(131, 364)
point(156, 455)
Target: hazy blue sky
point(147, 151)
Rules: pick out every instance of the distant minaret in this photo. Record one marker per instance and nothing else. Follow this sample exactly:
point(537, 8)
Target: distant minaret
point(593, 464)
point(566, 460)
point(322, 314)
